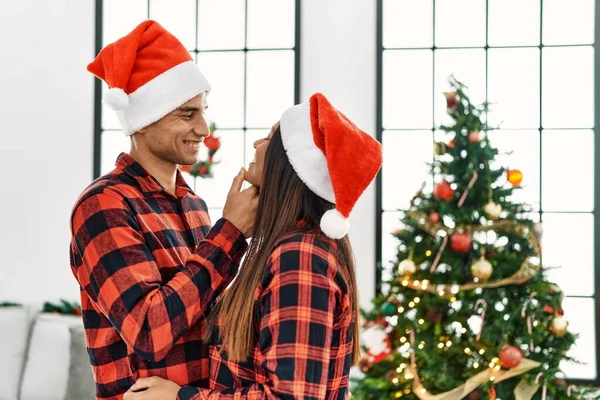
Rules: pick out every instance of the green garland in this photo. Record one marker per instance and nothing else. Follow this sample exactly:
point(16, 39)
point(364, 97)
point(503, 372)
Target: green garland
point(64, 307)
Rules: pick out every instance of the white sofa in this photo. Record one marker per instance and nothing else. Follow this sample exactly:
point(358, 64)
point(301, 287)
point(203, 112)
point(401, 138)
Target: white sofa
point(43, 357)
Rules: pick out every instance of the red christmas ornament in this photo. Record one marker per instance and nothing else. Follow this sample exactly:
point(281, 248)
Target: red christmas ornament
point(451, 101)
point(474, 395)
point(443, 191)
point(474, 137)
point(492, 393)
point(212, 142)
point(202, 170)
point(510, 356)
point(434, 218)
point(548, 309)
point(460, 242)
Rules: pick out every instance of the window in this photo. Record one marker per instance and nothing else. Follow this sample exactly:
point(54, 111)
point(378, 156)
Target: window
point(250, 58)
point(534, 61)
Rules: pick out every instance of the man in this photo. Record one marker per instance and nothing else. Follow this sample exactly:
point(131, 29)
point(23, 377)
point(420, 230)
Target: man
point(147, 264)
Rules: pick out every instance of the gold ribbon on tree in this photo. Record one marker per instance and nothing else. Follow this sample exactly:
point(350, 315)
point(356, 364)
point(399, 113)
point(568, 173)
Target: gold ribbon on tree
point(524, 274)
point(523, 391)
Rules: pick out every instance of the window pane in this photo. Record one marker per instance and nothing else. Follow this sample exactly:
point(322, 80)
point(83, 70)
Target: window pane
point(231, 156)
point(120, 17)
point(405, 154)
point(390, 223)
point(225, 72)
point(215, 214)
point(514, 88)
point(113, 144)
point(407, 89)
point(525, 148)
point(510, 28)
point(459, 23)
point(407, 23)
point(572, 256)
point(264, 31)
point(580, 314)
point(468, 66)
point(568, 22)
point(568, 87)
point(568, 170)
point(180, 20)
point(221, 24)
point(270, 86)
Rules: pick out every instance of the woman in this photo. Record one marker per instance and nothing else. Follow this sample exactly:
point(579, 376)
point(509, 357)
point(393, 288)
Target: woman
point(287, 326)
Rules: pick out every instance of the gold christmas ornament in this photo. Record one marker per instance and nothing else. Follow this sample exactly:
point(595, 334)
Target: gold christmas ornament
point(492, 210)
point(482, 269)
point(559, 326)
point(407, 267)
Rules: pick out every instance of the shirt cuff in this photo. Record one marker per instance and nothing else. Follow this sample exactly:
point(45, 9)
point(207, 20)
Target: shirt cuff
point(229, 238)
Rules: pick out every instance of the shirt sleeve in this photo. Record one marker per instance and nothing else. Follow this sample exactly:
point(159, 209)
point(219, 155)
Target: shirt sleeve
point(296, 325)
point(118, 272)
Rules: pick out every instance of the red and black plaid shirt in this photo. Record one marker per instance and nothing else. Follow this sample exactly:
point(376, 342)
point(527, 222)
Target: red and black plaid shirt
point(148, 268)
point(305, 336)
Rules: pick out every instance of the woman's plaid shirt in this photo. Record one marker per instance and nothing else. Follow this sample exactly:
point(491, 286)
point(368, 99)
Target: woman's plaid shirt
point(305, 335)
point(148, 268)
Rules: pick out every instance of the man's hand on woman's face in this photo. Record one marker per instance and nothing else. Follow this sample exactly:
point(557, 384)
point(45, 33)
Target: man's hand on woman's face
point(153, 388)
point(240, 206)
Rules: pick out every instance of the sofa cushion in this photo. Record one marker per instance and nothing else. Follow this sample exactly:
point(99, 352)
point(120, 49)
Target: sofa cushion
point(14, 336)
point(47, 366)
point(80, 384)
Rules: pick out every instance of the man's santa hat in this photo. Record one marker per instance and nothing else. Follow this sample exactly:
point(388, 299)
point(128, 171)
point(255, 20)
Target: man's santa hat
point(149, 74)
point(332, 156)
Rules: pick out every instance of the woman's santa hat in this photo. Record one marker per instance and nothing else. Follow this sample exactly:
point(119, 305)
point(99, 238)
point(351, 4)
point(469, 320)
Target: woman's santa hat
point(332, 156)
point(149, 74)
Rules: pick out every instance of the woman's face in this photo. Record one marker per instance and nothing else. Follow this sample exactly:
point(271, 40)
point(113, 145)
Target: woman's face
point(255, 169)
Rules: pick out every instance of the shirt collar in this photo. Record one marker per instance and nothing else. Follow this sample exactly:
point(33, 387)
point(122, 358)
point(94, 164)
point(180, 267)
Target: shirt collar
point(148, 184)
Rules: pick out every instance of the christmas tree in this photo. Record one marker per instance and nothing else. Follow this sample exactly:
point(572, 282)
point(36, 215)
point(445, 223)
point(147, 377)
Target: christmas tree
point(468, 312)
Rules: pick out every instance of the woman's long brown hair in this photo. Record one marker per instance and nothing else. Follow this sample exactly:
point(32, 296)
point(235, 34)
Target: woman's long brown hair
point(283, 201)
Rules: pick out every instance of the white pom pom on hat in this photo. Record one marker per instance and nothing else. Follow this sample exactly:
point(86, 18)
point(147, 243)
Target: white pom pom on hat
point(116, 99)
point(334, 224)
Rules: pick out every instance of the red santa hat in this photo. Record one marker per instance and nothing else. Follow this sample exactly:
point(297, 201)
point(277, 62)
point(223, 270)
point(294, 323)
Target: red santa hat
point(149, 74)
point(332, 156)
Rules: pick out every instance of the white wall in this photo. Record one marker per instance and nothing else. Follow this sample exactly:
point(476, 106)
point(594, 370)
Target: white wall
point(46, 125)
point(47, 128)
point(338, 58)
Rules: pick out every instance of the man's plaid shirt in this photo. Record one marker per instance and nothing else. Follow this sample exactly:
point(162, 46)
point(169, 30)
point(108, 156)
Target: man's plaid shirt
point(148, 268)
point(305, 334)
